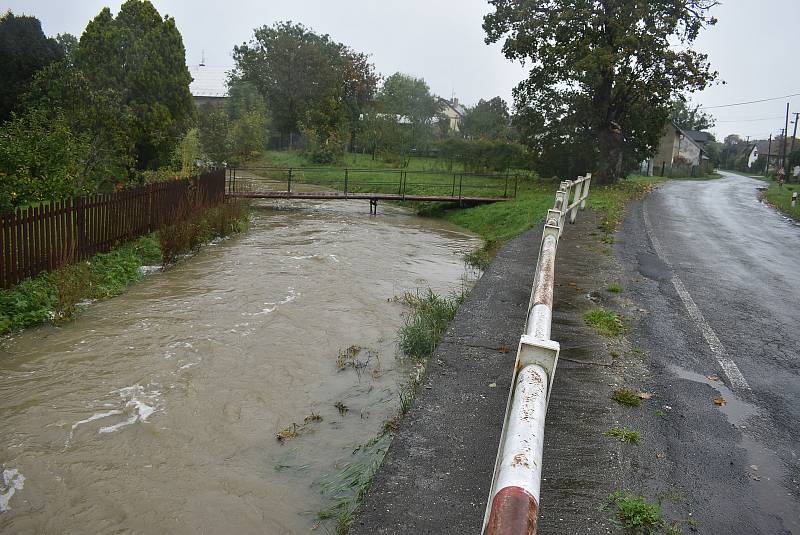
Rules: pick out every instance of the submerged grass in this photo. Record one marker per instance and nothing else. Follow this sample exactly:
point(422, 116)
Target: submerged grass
point(422, 330)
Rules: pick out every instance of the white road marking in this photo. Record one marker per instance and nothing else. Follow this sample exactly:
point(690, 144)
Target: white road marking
point(729, 367)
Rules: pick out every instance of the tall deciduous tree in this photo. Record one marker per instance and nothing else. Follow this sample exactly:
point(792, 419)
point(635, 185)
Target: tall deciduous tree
point(24, 49)
point(141, 55)
point(308, 80)
point(411, 98)
point(603, 73)
point(690, 117)
point(489, 119)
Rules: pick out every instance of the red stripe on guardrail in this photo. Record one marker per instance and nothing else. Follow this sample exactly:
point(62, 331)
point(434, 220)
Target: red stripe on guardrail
point(513, 513)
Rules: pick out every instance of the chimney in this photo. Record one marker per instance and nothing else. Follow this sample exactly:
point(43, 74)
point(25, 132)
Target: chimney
point(454, 101)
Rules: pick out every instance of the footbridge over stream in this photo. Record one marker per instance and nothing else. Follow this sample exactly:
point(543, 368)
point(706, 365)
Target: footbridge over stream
point(328, 183)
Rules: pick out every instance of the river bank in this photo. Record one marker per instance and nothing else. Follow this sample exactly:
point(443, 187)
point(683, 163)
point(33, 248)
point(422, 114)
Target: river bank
point(57, 296)
point(158, 410)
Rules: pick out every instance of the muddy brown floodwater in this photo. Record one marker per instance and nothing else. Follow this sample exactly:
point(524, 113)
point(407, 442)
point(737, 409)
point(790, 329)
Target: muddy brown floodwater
point(157, 411)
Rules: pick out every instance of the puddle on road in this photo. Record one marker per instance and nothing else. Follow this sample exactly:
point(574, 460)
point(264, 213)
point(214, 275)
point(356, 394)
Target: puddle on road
point(769, 472)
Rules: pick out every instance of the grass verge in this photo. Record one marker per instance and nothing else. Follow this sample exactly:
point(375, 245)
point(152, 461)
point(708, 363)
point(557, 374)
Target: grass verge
point(781, 198)
point(55, 296)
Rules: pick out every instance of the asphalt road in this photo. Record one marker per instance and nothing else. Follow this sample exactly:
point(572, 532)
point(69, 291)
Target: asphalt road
point(717, 276)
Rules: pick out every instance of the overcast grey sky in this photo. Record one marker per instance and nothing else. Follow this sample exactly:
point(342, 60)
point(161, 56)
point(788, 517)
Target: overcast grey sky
point(753, 46)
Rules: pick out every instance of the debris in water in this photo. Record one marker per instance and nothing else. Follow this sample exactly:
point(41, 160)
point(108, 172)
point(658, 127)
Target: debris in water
point(313, 417)
point(343, 409)
point(287, 433)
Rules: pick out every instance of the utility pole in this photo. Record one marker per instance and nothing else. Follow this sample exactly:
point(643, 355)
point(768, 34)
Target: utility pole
point(769, 152)
point(794, 134)
point(785, 133)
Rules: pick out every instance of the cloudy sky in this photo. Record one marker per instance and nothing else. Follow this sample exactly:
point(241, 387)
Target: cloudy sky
point(754, 46)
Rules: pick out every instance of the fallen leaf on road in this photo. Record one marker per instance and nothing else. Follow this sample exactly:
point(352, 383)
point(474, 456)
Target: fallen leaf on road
point(503, 349)
point(645, 395)
point(492, 385)
point(719, 401)
point(660, 455)
point(712, 377)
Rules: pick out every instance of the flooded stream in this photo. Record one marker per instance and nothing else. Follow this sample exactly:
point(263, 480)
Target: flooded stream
point(157, 411)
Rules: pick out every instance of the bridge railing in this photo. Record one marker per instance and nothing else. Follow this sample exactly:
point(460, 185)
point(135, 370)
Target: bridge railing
point(254, 180)
point(514, 497)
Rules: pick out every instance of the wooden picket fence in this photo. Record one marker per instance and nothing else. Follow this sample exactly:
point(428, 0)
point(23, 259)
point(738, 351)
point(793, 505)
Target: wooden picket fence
point(44, 237)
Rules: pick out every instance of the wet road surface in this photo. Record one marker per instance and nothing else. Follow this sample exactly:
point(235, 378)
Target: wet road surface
point(157, 411)
point(716, 273)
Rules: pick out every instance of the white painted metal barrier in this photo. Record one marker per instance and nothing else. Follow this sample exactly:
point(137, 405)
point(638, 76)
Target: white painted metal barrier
point(514, 497)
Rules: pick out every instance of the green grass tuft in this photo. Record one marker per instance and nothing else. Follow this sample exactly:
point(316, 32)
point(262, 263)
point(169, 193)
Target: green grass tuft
point(603, 321)
point(614, 287)
point(635, 514)
point(629, 436)
point(626, 396)
point(424, 326)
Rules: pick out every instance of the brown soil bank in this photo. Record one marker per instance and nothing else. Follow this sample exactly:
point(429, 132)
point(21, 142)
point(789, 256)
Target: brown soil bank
point(436, 475)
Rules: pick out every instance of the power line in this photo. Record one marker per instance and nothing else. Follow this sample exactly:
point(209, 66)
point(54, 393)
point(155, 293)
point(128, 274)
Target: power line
point(748, 102)
point(749, 120)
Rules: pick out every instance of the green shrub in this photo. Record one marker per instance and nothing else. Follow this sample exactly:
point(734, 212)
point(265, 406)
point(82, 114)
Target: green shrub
point(614, 287)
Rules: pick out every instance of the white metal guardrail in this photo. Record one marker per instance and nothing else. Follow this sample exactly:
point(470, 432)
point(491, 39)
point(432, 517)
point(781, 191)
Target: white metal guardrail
point(514, 497)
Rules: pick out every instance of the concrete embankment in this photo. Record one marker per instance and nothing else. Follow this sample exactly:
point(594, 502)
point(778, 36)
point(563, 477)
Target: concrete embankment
point(436, 475)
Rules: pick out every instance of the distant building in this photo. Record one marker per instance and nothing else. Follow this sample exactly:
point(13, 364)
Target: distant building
point(680, 149)
point(454, 112)
point(209, 85)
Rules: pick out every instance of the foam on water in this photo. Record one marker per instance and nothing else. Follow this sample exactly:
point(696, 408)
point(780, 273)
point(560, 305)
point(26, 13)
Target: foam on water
point(139, 406)
point(12, 482)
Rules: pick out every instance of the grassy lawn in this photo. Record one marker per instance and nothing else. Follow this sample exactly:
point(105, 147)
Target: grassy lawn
point(422, 176)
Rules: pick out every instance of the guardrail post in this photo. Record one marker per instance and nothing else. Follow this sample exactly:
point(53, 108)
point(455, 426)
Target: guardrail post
point(460, 186)
point(586, 190)
point(453, 194)
point(577, 199)
point(345, 183)
point(289, 181)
